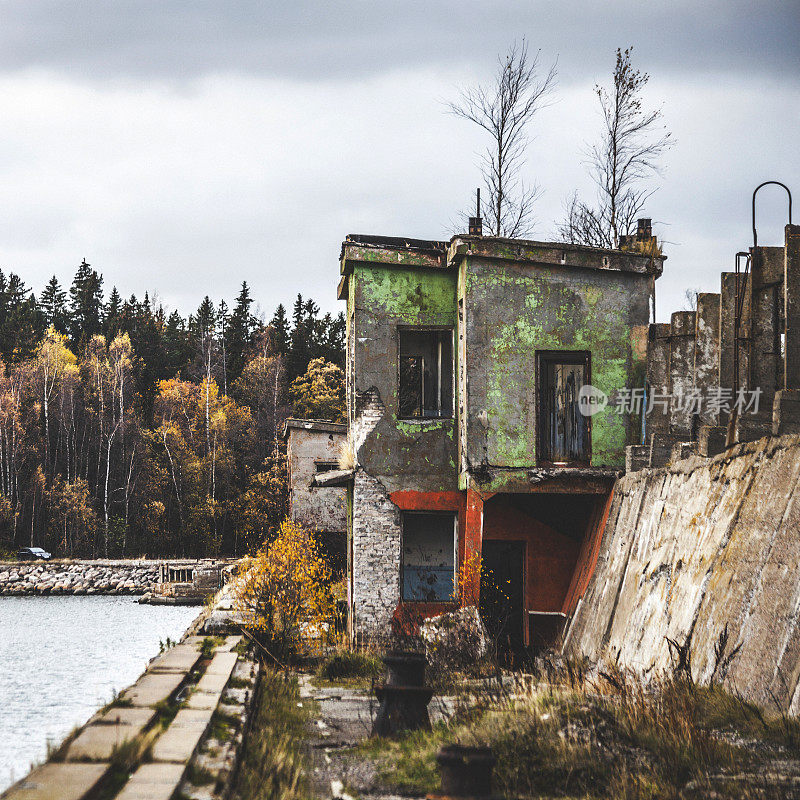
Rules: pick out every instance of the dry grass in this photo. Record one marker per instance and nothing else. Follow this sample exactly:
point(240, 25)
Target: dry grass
point(605, 736)
point(272, 765)
point(347, 456)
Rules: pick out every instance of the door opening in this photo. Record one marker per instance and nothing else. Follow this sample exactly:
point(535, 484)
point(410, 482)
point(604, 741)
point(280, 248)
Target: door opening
point(503, 595)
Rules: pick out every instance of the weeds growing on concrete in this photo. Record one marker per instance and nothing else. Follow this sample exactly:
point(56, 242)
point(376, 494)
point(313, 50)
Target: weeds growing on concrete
point(345, 664)
point(272, 766)
point(606, 736)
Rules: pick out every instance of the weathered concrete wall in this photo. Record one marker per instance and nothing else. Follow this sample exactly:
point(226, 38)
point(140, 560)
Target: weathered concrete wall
point(403, 454)
point(309, 444)
point(697, 546)
point(513, 309)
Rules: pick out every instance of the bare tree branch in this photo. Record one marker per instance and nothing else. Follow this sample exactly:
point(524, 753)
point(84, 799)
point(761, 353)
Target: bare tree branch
point(628, 153)
point(503, 109)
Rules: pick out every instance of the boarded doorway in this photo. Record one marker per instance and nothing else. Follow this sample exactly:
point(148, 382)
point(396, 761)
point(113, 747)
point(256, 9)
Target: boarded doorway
point(503, 594)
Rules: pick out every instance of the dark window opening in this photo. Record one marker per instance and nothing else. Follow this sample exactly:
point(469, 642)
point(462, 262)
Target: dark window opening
point(564, 433)
point(428, 566)
point(179, 575)
point(325, 466)
point(426, 374)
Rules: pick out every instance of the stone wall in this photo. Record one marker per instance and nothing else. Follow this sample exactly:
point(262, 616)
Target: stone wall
point(78, 577)
point(696, 548)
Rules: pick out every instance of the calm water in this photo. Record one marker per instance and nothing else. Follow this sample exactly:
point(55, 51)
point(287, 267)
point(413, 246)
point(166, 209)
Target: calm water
point(61, 658)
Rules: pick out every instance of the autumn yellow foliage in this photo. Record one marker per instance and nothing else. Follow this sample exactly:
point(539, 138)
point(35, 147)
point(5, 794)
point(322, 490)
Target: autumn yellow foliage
point(285, 592)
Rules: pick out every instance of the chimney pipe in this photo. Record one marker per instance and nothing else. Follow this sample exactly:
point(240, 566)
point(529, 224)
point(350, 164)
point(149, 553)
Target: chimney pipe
point(644, 229)
point(476, 223)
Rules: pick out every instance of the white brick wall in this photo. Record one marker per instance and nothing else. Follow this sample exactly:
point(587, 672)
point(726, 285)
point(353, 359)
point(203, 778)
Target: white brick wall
point(376, 556)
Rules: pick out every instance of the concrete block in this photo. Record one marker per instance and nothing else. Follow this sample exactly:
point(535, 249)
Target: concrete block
point(637, 456)
point(212, 683)
point(661, 445)
point(786, 412)
point(179, 741)
point(180, 658)
point(58, 782)
point(153, 782)
point(222, 664)
point(711, 440)
point(683, 450)
point(123, 715)
point(98, 742)
point(153, 687)
point(752, 427)
point(229, 644)
point(204, 701)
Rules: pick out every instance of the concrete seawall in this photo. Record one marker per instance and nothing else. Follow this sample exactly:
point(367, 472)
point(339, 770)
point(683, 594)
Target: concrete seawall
point(133, 576)
point(693, 550)
point(182, 726)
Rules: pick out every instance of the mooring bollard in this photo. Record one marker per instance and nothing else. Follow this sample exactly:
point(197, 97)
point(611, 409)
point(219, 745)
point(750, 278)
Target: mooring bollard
point(404, 697)
point(465, 771)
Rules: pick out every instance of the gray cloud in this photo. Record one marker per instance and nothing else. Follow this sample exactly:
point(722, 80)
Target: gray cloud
point(309, 40)
point(186, 147)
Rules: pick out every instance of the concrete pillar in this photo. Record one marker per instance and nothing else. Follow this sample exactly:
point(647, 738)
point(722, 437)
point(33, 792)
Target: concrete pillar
point(681, 370)
point(657, 376)
point(637, 456)
point(706, 350)
point(791, 289)
point(765, 363)
point(786, 406)
point(727, 312)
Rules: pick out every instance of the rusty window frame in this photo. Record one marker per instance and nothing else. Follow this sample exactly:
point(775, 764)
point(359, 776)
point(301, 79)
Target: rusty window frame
point(543, 357)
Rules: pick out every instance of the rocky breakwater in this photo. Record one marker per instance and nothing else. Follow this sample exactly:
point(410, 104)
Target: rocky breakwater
point(77, 577)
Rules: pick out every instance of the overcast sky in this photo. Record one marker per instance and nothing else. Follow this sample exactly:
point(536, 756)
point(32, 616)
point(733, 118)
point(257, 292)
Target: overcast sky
point(182, 147)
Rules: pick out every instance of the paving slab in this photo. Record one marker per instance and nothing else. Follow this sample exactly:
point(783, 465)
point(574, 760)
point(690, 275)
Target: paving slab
point(124, 715)
point(153, 687)
point(58, 782)
point(153, 782)
point(179, 741)
point(180, 658)
point(203, 700)
point(229, 643)
point(222, 664)
point(97, 742)
point(211, 683)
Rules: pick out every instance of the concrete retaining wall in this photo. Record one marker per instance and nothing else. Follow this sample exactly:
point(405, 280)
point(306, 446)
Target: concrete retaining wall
point(693, 548)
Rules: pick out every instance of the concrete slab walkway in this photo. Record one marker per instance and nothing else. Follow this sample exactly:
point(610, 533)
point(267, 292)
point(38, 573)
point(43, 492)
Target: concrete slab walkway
point(58, 782)
point(88, 758)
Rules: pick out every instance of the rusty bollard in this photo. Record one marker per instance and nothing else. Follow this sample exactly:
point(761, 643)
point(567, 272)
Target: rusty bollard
point(404, 697)
point(465, 771)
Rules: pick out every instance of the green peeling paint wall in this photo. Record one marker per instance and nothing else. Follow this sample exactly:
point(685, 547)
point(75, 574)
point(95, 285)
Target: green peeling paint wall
point(416, 455)
point(513, 310)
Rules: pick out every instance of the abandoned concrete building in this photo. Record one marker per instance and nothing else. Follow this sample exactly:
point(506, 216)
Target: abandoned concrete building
point(313, 448)
point(465, 363)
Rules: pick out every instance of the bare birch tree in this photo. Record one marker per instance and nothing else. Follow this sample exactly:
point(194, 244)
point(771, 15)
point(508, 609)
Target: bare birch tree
point(628, 153)
point(503, 109)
